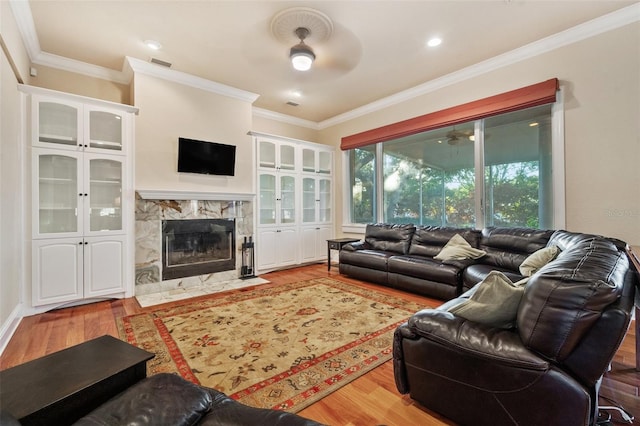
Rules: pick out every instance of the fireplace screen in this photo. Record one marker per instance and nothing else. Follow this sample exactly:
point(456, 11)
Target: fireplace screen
point(197, 247)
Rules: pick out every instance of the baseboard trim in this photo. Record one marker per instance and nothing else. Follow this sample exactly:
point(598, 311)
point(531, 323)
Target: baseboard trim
point(10, 326)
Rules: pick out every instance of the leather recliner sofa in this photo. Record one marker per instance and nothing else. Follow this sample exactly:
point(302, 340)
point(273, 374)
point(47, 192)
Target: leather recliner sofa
point(403, 257)
point(571, 319)
point(169, 400)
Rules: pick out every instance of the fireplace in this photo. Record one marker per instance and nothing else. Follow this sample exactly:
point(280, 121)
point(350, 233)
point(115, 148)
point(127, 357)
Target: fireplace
point(197, 247)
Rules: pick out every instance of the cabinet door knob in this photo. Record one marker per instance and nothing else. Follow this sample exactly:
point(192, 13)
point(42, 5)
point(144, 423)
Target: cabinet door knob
point(80, 243)
point(85, 243)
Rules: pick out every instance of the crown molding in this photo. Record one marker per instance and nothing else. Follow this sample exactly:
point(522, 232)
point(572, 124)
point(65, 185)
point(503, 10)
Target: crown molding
point(24, 20)
point(609, 22)
point(79, 67)
point(284, 118)
point(180, 77)
point(43, 91)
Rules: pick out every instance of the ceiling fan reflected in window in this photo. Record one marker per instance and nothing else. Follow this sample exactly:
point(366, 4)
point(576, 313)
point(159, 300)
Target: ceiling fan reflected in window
point(454, 137)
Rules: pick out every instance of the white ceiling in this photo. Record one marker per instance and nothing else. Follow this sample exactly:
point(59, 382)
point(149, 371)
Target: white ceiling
point(377, 48)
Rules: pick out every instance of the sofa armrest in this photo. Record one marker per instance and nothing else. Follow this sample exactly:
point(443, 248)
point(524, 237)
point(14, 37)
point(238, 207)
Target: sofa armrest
point(358, 245)
point(161, 399)
point(476, 339)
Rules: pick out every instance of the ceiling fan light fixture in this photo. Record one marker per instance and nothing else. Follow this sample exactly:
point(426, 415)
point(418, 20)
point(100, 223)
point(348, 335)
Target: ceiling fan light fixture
point(301, 55)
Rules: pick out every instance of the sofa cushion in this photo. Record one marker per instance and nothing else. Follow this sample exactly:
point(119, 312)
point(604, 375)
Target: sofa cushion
point(424, 268)
point(457, 248)
point(567, 296)
point(389, 237)
point(538, 259)
point(474, 274)
point(507, 248)
point(161, 399)
point(371, 259)
point(429, 240)
point(494, 302)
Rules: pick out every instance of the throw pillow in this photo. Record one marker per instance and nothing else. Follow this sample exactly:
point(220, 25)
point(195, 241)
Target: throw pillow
point(495, 302)
point(457, 248)
point(538, 259)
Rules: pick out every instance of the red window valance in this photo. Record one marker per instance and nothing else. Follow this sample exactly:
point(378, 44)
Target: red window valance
point(525, 97)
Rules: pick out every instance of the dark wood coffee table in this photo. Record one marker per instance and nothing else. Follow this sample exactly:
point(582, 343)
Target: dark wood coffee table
point(64, 386)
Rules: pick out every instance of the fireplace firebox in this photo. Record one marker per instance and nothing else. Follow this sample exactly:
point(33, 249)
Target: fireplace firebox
point(197, 247)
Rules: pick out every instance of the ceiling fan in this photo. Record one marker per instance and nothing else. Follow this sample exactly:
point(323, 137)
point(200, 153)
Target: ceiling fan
point(454, 137)
point(309, 36)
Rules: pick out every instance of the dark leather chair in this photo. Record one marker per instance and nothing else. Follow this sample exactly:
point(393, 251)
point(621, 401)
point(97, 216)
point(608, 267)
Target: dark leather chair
point(573, 316)
point(169, 400)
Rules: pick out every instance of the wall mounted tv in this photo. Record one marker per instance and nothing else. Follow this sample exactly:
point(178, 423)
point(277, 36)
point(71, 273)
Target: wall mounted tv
point(207, 158)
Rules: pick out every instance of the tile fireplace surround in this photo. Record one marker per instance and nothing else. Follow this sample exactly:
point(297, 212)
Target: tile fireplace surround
point(148, 251)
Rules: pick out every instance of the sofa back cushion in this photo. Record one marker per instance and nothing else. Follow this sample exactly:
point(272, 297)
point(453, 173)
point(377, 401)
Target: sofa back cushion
point(564, 299)
point(429, 240)
point(507, 248)
point(389, 237)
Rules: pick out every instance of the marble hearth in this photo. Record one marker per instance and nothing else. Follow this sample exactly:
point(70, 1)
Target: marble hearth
point(148, 247)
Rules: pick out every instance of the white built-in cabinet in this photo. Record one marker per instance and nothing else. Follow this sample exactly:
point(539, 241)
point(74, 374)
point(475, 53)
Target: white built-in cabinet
point(81, 197)
point(295, 202)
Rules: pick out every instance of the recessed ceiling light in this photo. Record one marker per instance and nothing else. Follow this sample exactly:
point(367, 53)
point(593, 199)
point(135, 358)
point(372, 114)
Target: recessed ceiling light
point(152, 44)
point(434, 42)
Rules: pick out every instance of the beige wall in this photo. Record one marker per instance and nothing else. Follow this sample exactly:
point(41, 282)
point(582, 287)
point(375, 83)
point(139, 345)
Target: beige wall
point(171, 110)
point(78, 84)
point(602, 130)
point(12, 220)
point(278, 128)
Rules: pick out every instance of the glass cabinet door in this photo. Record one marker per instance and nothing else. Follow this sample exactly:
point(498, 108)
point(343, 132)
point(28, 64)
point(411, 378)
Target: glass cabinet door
point(57, 124)
point(287, 199)
point(287, 157)
point(57, 193)
point(105, 130)
point(267, 214)
point(324, 162)
point(324, 208)
point(309, 200)
point(105, 194)
point(267, 154)
point(308, 160)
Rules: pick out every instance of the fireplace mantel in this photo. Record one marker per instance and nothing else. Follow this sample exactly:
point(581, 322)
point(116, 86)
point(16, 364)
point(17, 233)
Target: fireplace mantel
point(169, 194)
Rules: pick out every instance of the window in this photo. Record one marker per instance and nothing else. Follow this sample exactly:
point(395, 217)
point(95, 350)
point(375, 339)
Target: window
point(362, 176)
point(432, 177)
point(517, 173)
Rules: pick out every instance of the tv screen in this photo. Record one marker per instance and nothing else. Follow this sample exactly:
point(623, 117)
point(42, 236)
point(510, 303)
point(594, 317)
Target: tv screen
point(207, 158)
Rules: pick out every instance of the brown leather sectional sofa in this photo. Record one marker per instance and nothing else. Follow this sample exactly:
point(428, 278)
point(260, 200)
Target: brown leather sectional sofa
point(545, 370)
point(402, 256)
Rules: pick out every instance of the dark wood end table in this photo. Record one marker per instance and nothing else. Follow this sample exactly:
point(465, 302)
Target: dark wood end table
point(64, 386)
point(336, 244)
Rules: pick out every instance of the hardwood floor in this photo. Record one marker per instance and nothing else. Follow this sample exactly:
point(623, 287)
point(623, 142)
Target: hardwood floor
point(369, 400)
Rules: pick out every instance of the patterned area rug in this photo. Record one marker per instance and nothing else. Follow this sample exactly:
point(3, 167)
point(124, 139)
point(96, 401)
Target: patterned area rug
point(284, 347)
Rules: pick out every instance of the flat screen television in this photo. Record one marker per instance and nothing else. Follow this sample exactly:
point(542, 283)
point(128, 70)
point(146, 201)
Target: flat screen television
point(207, 158)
